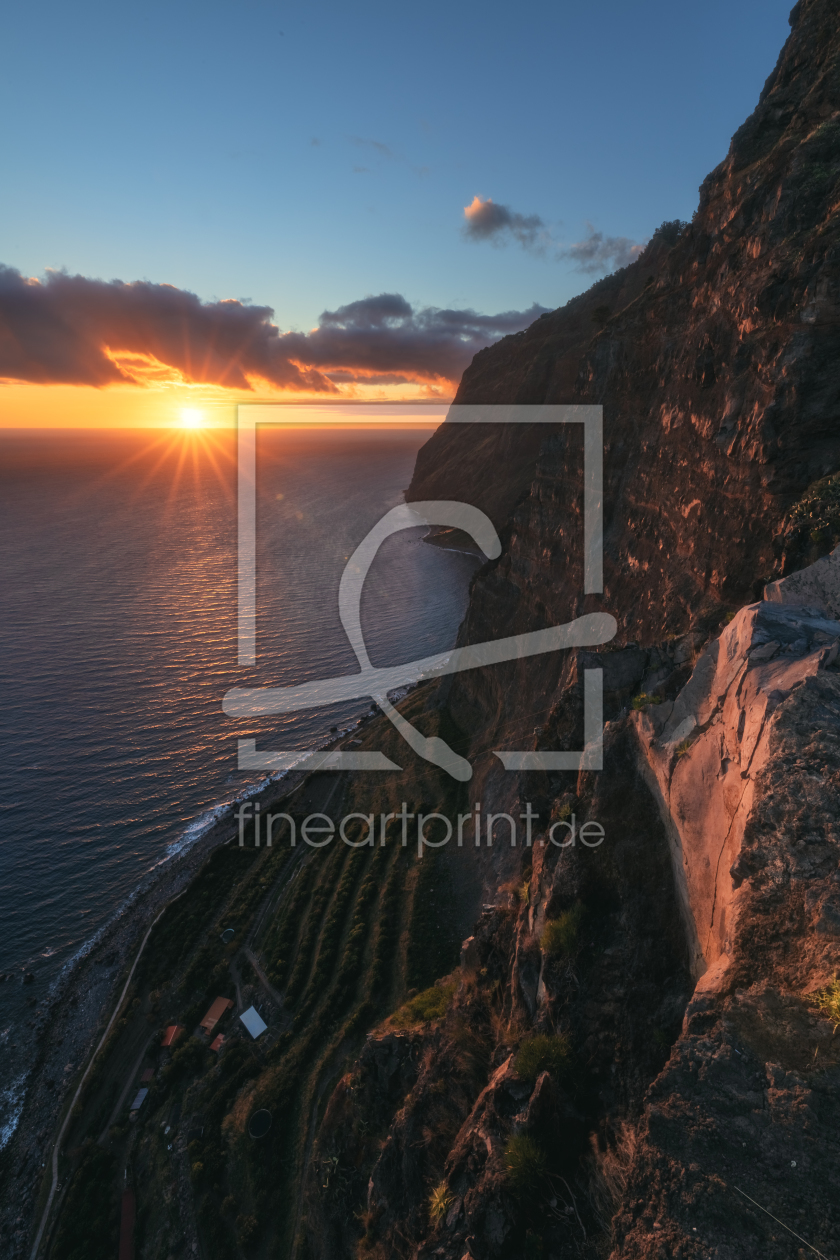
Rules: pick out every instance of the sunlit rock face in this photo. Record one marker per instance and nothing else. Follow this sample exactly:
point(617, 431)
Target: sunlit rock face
point(715, 363)
point(716, 370)
point(705, 753)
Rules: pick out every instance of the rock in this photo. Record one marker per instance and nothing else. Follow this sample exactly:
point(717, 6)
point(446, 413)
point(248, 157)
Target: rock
point(765, 652)
point(542, 1103)
point(818, 584)
point(705, 760)
point(470, 958)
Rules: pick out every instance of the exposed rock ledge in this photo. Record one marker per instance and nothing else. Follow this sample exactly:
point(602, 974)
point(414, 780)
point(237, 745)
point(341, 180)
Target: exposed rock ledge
point(705, 753)
point(744, 1119)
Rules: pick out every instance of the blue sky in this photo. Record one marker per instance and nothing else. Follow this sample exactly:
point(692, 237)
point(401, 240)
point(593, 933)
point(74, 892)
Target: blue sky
point(304, 157)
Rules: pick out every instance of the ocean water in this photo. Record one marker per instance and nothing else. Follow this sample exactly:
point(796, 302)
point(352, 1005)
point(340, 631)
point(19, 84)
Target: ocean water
point(118, 642)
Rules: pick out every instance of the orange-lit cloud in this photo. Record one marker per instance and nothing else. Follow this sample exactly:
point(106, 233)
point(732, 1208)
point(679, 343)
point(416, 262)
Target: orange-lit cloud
point(488, 220)
point(69, 330)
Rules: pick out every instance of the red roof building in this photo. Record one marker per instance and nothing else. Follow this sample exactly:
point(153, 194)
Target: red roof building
point(172, 1034)
point(215, 1013)
point(217, 1044)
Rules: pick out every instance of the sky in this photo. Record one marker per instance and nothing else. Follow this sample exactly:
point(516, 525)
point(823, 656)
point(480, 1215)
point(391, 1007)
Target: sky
point(411, 182)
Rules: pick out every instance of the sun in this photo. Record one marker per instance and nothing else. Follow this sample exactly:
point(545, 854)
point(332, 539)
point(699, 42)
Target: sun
point(191, 419)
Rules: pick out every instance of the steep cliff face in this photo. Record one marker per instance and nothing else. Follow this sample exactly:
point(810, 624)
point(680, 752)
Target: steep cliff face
point(671, 1124)
point(743, 1120)
point(715, 370)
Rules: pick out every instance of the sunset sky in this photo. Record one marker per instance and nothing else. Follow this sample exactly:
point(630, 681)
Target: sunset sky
point(334, 199)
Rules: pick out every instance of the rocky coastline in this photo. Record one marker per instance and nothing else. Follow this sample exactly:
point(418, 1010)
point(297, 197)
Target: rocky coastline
point(71, 1017)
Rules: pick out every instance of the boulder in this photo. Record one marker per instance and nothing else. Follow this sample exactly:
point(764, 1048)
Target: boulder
point(819, 584)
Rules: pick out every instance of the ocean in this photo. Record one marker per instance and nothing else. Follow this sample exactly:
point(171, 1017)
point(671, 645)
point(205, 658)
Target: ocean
point(118, 642)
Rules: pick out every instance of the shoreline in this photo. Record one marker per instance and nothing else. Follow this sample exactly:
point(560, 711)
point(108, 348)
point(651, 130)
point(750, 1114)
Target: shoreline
point(446, 539)
point(78, 1005)
point(81, 999)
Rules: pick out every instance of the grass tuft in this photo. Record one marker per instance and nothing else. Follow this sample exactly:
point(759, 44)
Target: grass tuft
point(642, 700)
point(440, 1201)
point(525, 1164)
point(827, 1001)
point(559, 936)
point(543, 1053)
point(430, 1004)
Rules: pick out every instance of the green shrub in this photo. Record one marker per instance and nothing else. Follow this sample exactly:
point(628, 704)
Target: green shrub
point(440, 1201)
point(642, 700)
point(248, 1228)
point(525, 1164)
point(684, 748)
point(542, 1053)
point(430, 1004)
point(559, 936)
point(186, 1061)
point(827, 1001)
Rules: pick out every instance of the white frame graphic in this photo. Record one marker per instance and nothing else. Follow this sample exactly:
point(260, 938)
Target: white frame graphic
point(586, 631)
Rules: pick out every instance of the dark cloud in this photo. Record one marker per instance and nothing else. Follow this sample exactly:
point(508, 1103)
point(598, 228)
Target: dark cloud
point(71, 330)
point(487, 220)
point(62, 328)
point(602, 253)
point(385, 334)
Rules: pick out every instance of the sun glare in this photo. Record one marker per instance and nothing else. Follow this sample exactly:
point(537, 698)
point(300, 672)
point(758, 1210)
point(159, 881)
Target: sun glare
point(191, 419)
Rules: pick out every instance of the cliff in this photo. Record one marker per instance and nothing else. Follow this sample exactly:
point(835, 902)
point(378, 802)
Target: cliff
point(700, 1113)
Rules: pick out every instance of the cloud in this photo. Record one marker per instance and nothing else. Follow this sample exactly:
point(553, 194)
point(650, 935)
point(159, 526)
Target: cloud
point(71, 330)
point(602, 253)
point(387, 335)
point(487, 220)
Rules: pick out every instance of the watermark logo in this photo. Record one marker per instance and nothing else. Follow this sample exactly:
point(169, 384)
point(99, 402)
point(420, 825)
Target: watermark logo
point(586, 631)
point(359, 831)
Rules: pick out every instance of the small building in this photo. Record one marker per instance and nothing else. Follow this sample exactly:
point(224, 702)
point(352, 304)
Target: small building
point(147, 1076)
point(254, 1022)
point(218, 1043)
point(215, 1013)
point(171, 1035)
point(142, 1094)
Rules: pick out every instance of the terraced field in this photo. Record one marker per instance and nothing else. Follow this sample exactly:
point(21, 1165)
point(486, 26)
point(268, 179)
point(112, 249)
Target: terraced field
point(327, 942)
